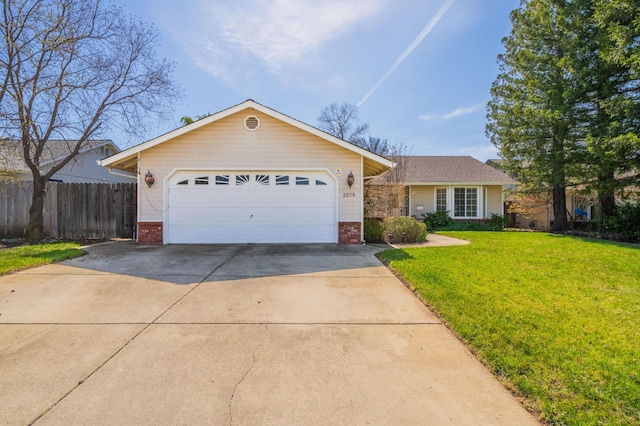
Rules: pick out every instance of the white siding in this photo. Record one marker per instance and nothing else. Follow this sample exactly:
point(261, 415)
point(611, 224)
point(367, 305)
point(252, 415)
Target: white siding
point(226, 144)
point(422, 196)
point(494, 200)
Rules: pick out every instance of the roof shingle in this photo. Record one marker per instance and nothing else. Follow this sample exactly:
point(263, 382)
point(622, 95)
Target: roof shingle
point(452, 169)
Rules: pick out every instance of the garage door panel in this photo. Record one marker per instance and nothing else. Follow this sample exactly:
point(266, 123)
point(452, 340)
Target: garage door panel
point(249, 210)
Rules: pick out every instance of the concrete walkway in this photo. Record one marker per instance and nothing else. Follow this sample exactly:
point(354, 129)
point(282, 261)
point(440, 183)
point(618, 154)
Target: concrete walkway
point(435, 240)
point(239, 335)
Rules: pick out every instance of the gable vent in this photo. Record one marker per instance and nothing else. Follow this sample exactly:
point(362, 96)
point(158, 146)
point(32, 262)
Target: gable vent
point(251, 123)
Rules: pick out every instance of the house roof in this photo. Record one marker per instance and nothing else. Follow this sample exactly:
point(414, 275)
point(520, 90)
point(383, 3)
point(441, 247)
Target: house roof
point(11, 156)
point(127, 159)
point(422, 170)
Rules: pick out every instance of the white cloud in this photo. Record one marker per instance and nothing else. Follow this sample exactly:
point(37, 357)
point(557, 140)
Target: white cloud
point(456, 113)
point(427, 117)
point(223, 37)
point(461, 111)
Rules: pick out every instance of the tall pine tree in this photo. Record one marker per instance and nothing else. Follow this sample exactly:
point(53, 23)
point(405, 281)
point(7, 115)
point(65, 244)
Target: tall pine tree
point(531, 114)
point(608, 68)
point(565, 107)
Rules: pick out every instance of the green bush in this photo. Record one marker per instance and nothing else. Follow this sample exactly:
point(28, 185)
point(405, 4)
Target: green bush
point(464, 225)
point(437, 220)
point(624, 221)
point(373, 231)
point(440, 221)
point(497, 221)
point(404, 229)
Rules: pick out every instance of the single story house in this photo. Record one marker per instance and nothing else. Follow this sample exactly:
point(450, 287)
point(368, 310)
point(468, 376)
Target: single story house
point(462, 186)
point(84, 168)
point(249, 174)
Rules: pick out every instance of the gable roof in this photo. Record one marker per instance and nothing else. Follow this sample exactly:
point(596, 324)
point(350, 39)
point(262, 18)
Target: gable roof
point(452, 170)
point(127, 159)
point(11, 156)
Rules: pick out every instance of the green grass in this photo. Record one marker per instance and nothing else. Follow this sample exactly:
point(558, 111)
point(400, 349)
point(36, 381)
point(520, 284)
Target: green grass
point(557, 318)
point(28, 256)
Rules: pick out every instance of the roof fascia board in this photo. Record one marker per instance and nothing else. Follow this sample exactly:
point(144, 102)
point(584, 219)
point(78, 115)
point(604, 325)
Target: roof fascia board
point(173, 134)
point(458, 183)
point(86, 148)
point(319, 133)
point(232, 110)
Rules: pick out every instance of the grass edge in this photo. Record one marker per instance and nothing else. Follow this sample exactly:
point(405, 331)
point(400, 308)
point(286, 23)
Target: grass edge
point(528, 404)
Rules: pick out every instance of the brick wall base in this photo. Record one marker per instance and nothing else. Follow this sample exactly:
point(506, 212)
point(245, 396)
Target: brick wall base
point(149, 233)
point(349, 233)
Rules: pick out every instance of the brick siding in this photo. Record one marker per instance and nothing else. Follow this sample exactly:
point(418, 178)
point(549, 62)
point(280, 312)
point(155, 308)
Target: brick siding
point(349, 233)
point(150, 233)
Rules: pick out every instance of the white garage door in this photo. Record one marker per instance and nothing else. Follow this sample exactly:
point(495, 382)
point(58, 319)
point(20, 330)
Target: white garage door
point(251, 207)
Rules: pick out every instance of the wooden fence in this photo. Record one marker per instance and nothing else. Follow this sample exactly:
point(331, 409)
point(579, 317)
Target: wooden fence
point(72, 210)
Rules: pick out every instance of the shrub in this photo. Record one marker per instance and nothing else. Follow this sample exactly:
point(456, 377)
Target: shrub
point(404, 229)
point(624, 221)
point(440, 221)
point(373, 231)
point(437, 220)
point(464, 225)
point(497, 221)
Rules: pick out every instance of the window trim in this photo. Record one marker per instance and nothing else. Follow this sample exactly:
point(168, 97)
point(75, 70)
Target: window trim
point(478, 204)
point(447, 209)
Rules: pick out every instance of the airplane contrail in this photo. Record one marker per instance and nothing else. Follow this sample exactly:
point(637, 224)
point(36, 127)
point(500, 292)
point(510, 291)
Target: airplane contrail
point(432, 23)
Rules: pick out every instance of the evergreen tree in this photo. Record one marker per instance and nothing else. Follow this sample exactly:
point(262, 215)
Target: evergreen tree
point(607, 64)
point(565, 107)
point(531, 114)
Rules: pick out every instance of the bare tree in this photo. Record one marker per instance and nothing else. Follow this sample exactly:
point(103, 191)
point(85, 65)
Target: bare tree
point(343, 122)
point(386, 196)
point(72, 70)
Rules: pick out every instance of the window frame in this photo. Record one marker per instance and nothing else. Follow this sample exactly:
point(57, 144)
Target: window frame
point(446, 198)
point(465, 211)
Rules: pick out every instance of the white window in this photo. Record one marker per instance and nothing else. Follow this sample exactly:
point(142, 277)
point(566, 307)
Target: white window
point(222, 180)
point(282, 180)
point(441, 199)
point(262, 179)
point(242, 179)
point(465, 202)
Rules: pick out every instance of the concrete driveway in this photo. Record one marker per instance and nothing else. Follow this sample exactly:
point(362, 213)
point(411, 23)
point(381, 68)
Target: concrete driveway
point(242, 335)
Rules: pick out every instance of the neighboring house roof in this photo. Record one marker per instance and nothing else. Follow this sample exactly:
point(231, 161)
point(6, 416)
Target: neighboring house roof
point(11, 152)
point(496, 163)
point(127, 159)
point(426, 170)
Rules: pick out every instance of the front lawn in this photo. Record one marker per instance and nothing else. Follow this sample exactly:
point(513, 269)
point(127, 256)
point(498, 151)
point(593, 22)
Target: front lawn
point(27, 256)
point(557, 318)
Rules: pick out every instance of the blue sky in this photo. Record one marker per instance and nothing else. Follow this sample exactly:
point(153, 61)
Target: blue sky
point(421, 70)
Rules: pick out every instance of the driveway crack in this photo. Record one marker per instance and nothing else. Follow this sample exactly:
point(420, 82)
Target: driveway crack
point(246, 373)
